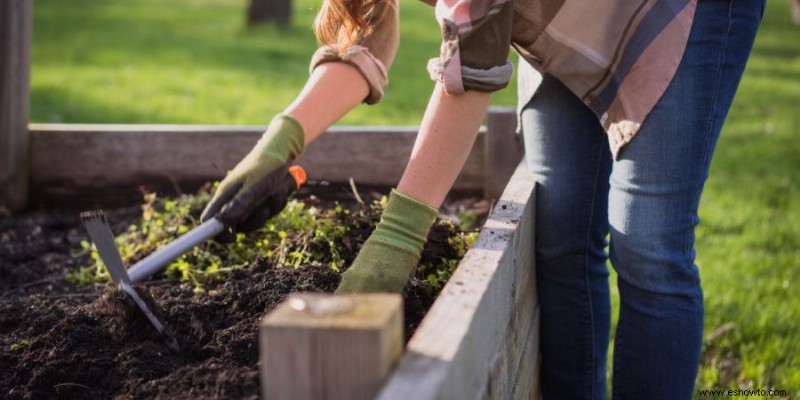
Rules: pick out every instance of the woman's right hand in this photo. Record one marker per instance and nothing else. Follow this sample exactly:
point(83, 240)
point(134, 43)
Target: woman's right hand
point(252, 192)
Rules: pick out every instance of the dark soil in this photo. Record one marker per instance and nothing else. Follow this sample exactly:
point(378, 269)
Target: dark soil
point(58, 340)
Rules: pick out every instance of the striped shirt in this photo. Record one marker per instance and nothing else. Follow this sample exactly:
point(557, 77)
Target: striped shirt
point(617, 56)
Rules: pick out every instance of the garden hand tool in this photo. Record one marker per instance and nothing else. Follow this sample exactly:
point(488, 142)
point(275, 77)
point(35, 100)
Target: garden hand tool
point(100, 232)
point(390, 255)
point(158, 260)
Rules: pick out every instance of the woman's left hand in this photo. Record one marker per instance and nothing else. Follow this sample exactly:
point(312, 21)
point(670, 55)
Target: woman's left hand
point(390, 255)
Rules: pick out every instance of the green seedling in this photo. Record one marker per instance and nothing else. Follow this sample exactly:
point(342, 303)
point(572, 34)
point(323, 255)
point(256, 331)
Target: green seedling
point(21, 344)
point(300, 236)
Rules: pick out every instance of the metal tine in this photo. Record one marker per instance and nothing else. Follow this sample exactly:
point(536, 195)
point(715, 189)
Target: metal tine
point(100, 232)
point(154, 319)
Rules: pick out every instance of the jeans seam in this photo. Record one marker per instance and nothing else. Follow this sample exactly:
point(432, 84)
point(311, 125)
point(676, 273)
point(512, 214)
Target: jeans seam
point(616, 371)
point(592, 371)
point(688, 244)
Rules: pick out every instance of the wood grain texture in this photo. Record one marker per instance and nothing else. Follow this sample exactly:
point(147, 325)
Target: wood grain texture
point(75, 161)
point(480, 338)
point(337, 347)
point(503, 150)
point(15, 44)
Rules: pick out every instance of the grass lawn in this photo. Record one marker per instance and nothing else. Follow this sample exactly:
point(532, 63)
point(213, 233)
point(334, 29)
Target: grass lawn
point(192, 61)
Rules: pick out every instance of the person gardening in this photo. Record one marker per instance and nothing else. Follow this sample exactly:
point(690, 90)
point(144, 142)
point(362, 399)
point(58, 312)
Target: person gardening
point(621, 104)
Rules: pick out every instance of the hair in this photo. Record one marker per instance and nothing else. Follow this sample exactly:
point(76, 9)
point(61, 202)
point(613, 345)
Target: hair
point(343, 22)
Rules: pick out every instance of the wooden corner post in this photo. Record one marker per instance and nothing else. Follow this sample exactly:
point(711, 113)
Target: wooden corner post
point(322, 346)
point(15, 44)
point(503, 150)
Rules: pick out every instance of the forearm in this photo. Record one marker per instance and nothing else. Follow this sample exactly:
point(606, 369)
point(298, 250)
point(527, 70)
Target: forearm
point(446, 136)
point(333, 89)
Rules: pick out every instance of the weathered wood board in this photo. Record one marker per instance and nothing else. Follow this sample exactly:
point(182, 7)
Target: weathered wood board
point(80, 161)
point(480, 339)
point(16, 19)
point(319, 346)
point(503, 150)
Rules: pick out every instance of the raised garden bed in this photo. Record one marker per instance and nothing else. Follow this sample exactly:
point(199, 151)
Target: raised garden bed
point(61, 339)
point(478, 339)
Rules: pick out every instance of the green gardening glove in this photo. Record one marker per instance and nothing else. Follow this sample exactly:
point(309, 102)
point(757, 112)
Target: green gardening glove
point(390, 255)
point(251, 192)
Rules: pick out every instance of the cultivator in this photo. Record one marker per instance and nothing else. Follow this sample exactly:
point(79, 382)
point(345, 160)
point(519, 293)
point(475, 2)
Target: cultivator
point(100, 232)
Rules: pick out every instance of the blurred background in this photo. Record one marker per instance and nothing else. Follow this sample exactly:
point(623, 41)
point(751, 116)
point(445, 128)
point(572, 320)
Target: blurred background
point(201, 62)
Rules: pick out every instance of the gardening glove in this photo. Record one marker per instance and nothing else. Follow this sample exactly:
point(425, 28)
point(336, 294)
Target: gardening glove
point(390, 255)
point(254, 190)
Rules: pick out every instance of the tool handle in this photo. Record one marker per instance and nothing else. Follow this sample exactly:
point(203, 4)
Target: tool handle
point(156, 261)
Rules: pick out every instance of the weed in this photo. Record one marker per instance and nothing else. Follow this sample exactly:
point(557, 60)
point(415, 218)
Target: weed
point(22, 343)
point(302, 235)
point(438, 271)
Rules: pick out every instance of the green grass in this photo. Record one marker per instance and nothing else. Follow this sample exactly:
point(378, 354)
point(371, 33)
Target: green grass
point(192, 61)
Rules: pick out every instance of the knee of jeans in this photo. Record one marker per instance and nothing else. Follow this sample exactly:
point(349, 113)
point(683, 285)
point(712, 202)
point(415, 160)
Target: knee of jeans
point(655, 260)
point(563, 223)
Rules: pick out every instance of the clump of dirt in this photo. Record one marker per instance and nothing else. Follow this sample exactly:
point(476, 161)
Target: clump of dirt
point(58, 340)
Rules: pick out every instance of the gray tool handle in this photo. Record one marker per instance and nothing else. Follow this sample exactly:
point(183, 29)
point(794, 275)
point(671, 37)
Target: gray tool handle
point(162, 257)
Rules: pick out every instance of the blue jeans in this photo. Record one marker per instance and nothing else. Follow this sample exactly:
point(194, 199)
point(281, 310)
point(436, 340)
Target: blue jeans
point(646, 202)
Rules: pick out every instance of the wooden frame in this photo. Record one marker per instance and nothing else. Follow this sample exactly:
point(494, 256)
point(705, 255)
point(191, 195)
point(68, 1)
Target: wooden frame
point(480, 338)
point(79, 164)
point(16, 20)
point(340, 346)
point(503, 150)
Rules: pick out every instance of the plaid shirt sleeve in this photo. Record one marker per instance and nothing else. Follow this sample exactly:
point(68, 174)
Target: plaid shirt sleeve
point(374, 53)
point(476, 38)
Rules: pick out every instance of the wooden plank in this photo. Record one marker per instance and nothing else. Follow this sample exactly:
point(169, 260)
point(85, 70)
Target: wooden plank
point(526, 374)
point(111, 161)
point(15, 44)
point(503, 150)
point(320, 346)
point(479, 340)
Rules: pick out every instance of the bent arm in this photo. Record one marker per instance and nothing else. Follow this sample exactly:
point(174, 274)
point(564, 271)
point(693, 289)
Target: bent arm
point(446, 136)
point(473, 62)
point(393, 250)
point(343, 77)
point(333, 89)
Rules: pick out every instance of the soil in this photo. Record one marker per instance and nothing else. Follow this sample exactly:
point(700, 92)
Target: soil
point(59, 340)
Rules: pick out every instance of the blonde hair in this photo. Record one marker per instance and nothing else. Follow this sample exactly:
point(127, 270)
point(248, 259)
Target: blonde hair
point(343, 22)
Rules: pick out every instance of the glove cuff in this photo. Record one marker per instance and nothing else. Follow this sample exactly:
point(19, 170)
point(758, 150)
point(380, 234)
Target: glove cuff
point(405, 223)
point(284, 139)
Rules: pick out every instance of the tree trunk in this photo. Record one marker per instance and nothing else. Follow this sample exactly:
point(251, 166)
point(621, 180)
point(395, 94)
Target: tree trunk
point(262, 11)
